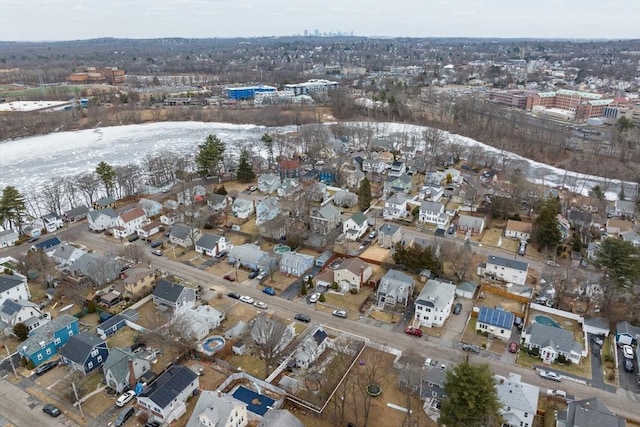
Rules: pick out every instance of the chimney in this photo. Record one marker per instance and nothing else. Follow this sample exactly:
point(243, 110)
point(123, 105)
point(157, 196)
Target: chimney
point(132, 375)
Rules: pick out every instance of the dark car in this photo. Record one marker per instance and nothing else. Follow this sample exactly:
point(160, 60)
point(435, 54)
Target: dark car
point(302, 318)
point(233, 295)
point(253, 274)
point(471, 348)
point(52, 410)
point(229, 277)
point(628, 365)
point(124, 416)
point(413, 331)
point(45, 367)
point(33, 239)
point(221, 254)
point(156, 244)
point(134, 238)
point(457, 309)
point(152, 424)
point(513, 347)
point(269, 290)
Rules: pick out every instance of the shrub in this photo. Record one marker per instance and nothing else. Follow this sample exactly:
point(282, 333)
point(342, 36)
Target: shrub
point(303, 289)
point(353, 291)
point(562, 358)
point(484, 345)
point(535, 352)
point(322, 298)
point(608, 358)
point(91, 307)
point(334, 286)
point(30, 365)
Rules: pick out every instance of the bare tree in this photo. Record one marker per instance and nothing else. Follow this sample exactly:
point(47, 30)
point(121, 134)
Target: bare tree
point(459, 258)
point(53, 194)
point(271, 335)
point(127, 177)
point(135, 253)
point(88, 184)
point(409, 379)
point(39, 261)
point(370, 373)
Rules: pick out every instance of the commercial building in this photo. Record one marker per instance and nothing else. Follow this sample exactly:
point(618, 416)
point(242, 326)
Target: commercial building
point(247, 92)
point(312, 86)
point(512, 98)
point(582, 105)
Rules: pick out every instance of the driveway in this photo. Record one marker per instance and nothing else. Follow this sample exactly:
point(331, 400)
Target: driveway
point(628, 380)
point(597, 374)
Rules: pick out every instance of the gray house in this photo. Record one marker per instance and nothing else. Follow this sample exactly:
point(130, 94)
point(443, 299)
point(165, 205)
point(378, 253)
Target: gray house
point(325, 219)
point(8, 238)
point(394, 290)
point(212, 244)
point(218, 202)
point(250, 256)
point(279, 418)
point(76, 214)
point(295, 263)
point(268, 183)
point(123, 368)
point(397, 184)
point(266, 210)
point(103, 219)
point(173, 295)
point(389, 235)
point(552, 342)
point(97, 268)
point(184, 235)
point(588, 413)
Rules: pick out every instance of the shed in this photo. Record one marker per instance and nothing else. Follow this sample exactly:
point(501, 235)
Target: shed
point(466, 289)
point(324, 258)
point(239, 347)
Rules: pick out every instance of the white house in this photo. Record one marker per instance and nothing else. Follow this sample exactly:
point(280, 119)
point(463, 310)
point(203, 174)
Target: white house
point(150, 207)
point(13, 287)
point(52, 222)
point(212, 244)
point(310, 349)
point(355, 227)
point(552, 342)
point(214, 409)
point(201, 319)
point(8, 238)
point(165, 397)
point(103, 219)
point(495, 322)
point(394, 290)
point(506, 269)
point(148, 230)
point(518, 401)
point(351, 274)
point(374, 165)
point(395, 207)
point(433, 213)
point(184, 235)
point(17, 311)
point(625, 208)
point(433, 305)
point(397, 169)
point(432, 192)
point(266, 210)
point(470, 224)
point(295, 263)
point(242, 208)
point(122, 368)
point(173, 295)
point(129, 222)
point(518, 230)
point(268, 183)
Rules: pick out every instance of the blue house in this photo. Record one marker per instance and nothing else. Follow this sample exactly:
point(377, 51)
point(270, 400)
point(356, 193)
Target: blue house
point(115, 323)
point(84, 352)
point(327, 177)
point(45, 342)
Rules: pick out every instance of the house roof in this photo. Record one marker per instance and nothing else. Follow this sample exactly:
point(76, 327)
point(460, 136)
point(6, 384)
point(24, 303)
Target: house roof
point(216, 199)
point(105, 201)
point(591, 413)
point(559, 339)
point(359, 218)
point(68, 252)
point(519, 226)
point(354, 265)
point(213, 410)
point(621, 224)
point(396, 283)
point(279, 418)
point(247, 252)
point(396, 276)
point(436, 293)
point(10, 307)
point(406, 179)
point(495, 317)
point(167, 290)
point(169, 385)
point(79, 210)
point(397, 199)
point(289, 164)
point(208, 241)
point(118, 362)
point(470, 221)
point(106, 211)
point(10, 281)
point(468, 286)
point(389, 229)
point(575, 215)
point(78, 347)
point(151, 226)
point(48, 243)
point(627, 329)
point(44, 333)
point(429, 206)
point(296, 259)
point(506, 262)
point(328, 211)
point(597, 322)
point(514, 394)
point(8, 235)
point(180, 231)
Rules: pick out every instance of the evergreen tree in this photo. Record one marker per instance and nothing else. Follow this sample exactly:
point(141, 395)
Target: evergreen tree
point(620, 260)
point(364, 195)
point(267, 142)
point(417, 258)
point(245, 170)
point(545, 231)
point(21, 331)
point(210, 155)
point(12, 207)
point(107, 175)
point(472, 398)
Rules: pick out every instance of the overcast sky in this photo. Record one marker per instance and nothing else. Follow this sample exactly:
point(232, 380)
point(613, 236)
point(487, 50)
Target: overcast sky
point(35, 20)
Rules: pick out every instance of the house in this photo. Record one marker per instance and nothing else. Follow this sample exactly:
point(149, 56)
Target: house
point(199, 320)
point(76, 214)
point(432, 381)
point(267, 209)
point(8, 238)
point(433, 305)
point(242, 208)
point(129, 222)
point(52, 222)
point(325, 219)
point(373, 165)
point(552, 342)
point(184, 235)
point(353, 273)
point(103, 219)
point(625, 208)
point(626, 333)
point(197, 193)
point(137, 280)
point(495, 322)
point(579, 218)
point(588, 413)
point(32, 230)
point(23, 311)
point(96, 268)
point(250, 256)
point(395, 207)
point(279, 418)
point(170, 218)
point(518, 401)
point(564, 227)
point(84, 352)
point(274, 229)
point(116, 322)
point(311, 348)
point(123, 368)
point(467, 289)
point(214, 409)
point(394, 290)
point(470, 224)
point(389, 235)
point(173, 295)
point(164, 398)
point(295, 263)
point(397, 184)
point(505, 269)
point(317, 192)
point(631, 237)
point(288, 188)
point(13, 287)
point(433, 213)
point(398, 169)
point(615, 227)
point(434, 177)
point(212, 244)
point(150, 207)
point(290, 169)
point(452, 176)
point(104, 203)
point(268, 183)
point(353, 177)
point(45, 341)
point(355, 227)
point(596, 325)
point(218, 202)
point(146, 231)
point(518, 230)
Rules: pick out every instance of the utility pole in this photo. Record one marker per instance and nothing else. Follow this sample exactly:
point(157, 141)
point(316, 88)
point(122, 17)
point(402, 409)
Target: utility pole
point(77, 399)
point(13, 368)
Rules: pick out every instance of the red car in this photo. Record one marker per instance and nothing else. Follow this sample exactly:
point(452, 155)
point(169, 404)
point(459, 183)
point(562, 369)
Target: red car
point(513, 347)
point(229, 277)
point(413, 331)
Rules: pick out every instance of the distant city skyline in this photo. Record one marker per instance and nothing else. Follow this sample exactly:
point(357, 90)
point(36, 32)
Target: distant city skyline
point(55, 20)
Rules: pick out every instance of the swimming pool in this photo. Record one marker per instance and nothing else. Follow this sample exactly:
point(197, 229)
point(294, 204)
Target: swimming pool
point(546, 320)
point(212, 344)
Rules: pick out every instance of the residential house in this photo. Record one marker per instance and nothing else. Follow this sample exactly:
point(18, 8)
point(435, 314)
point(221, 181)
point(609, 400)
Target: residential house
point(52, 222)
point(470, 224)
point(242, 208)
point(104, 203)
point(259, 163)
point(325, 219)
point(137, 281)
point(116, 322)
point(76, 214)
point(625, 208)
point(631, 237)
point(434, 177)
point(250, 256)
point(433, 213)
point(453, 176)
point(615, 227)
point(164, 398)
point(398, 169)
point(267, 209)
point(218, 202)
point(352, 273)
point(506, 269)
point(579, 218)
point(32, 230)
point(290, 168)
point(268, 183)
point(353, 177)
point(596, 325)
point(23, 311)
point(310, 349)
point(200, 320)
point(96, 268)
point(103, 219)
point(327, 176)
point(395, 207)
point(123, 368)
point(389, 235)
point(355, 227)
point(13, 287)
point(564, 227)
point(518, 230)
point(65, 254)
point(590, 412)
point(150, 207)
point(295, 263)
point(518, 401)
point(170, 218)
point(45, 341)
point(184, 235)
point(289, 187)
point(197, 193)
point(173, 295)
point(433, 305)
point(373, 165)
point(84, 352)
point(275, 228)
point(212, 244)
point(129, 222)
point(397, 184)
point(495, 322)
point(626, 333)
point(552, 342)
point(394, 290)
point(432, 381)
point(317, 192)
point(279, 418)
point(8, 238)
point(214, 409)
point(146, 231)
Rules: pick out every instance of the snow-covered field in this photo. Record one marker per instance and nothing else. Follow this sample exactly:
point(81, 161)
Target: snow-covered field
point(28, 163)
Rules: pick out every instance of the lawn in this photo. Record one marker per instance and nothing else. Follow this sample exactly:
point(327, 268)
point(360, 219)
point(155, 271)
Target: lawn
point(470, 336)
point(491, 237)
point(125, 337)
point(582, 370)
point(350, 302)
point(385, 316)
point(248, 363)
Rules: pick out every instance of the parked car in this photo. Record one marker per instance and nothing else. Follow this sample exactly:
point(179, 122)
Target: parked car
point(156, 244)
point(134, 238)
point(553, 263)
point(261, 275)
point(517, 321)
point(253, 274)
point(373, 235)
point(247, 299)
point(559, 393)
point(269, 290)
point(157, 252)
point(413, 331)
point(513, 347)
point(471, 348)
point(522, 249)
point(230, 277)
point(33, 239)
point(302, 318)
point(314, 297)
point(457, 309)
point(221, 254)
point(260, 304)
point(452, 229)
point(152, 424)
point(628, 365)
point(627, 351)
point(52, 410)
point(233, 295)
point(46, 367)
point(597, 339)
point(125, 398)
point(340, 313)
point(550, 375)
point(124, 416)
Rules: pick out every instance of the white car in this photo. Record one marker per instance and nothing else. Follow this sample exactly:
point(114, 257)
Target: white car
point(247, 299)
point(314, 297)
point(627, 351)
point(125, 398)
point(260, 304)
point(550, 375)
point(559, 393)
